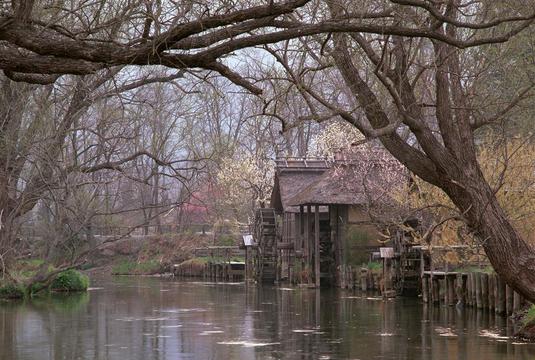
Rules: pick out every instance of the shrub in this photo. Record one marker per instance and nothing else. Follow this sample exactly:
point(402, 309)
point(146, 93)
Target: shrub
point(529, 316)
point(375, 266)
point(70, 280)
point(11, 291)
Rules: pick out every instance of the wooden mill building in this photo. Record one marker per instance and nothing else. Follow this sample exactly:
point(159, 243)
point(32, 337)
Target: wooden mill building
point(325, 215)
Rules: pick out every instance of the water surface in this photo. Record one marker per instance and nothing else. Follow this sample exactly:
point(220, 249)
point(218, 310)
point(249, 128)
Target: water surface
point(148, 318)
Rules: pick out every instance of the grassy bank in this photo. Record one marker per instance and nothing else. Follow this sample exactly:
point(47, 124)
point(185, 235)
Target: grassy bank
point(135, 267)
point(527, 324)
point(23, 280)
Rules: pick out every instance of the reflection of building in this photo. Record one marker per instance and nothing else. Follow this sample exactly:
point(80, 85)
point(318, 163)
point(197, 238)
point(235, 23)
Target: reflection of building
point(330, 214)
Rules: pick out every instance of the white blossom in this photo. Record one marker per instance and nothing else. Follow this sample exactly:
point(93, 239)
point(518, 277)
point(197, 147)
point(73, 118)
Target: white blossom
point(335, 137)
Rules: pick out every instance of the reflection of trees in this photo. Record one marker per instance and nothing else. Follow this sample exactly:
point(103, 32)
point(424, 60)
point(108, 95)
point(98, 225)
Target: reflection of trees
point(283, 311)
point(92, 326)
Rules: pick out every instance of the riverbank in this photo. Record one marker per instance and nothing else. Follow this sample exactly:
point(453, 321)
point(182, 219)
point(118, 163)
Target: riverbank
point(32, 276)
point(154, 255)
point(526, 321)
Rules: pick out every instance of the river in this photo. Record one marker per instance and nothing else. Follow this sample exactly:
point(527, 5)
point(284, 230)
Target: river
point(150, 318)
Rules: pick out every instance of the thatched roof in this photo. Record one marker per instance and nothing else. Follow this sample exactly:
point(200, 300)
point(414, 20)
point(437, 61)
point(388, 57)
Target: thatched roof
point(365, 177)
point(336, 186)
point(289, 182)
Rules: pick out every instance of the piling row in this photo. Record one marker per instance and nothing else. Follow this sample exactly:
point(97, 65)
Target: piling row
point(358, 278)
point(209, 271)
point(479, 290)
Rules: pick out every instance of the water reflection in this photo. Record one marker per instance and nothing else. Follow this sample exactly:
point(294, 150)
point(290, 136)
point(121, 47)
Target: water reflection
point(139, 318)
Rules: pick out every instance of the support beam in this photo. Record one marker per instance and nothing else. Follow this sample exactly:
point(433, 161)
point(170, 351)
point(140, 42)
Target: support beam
point(317, 245)
point(306, 249)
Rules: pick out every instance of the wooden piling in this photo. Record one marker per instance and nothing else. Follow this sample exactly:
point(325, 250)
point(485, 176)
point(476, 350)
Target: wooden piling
point(450, 289)
point(317, 245)
point(474, 295)
point(492, 296)
point(509, 299)
point(479, 301)
point(517, 301)
point(484, 290)
point(363, 279)
point(460, 289)
point(306, 249)
point(500, 296)
point(425, 289)
point(468, 297)
point(435, 290)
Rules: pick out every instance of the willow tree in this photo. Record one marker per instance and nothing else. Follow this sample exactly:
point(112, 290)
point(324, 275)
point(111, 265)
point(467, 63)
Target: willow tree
point(419, 96)
point(400, 60)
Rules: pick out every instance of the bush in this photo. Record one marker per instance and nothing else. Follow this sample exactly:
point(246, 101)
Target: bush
point(375, 266)
point(529, 316)
point(11, 291)
point(70, 280)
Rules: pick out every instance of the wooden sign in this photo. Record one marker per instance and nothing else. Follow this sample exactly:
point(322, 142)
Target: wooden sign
point(248, 240)
point(386, 252)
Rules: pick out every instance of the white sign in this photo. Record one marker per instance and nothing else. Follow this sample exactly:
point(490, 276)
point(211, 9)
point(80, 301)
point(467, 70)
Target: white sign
point(248, 240)
point(386, 252)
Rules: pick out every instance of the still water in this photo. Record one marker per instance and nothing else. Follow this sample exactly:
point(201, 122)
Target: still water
point(147, 318)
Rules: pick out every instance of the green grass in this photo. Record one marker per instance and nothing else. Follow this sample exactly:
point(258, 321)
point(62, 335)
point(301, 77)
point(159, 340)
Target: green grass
point(529, 317)
point(136, 268)
point(374, 266)
point(70, 280)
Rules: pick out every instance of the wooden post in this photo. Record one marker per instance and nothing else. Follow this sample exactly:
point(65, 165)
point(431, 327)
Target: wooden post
point(485, 290)
point(470, 300)
point(468, 296)
point(333, 222)
point(351, 280)
point(246, 275)
point(436, 289)
point(500, 296)
point(492, 296)
point(460, 289)
point(508, 299)
point(450, 289)
point(306, 250)
point(363, 279)
point(479, 301)
point(517, 301)
point(317, 245)
point(301, 242)
point(425, 289)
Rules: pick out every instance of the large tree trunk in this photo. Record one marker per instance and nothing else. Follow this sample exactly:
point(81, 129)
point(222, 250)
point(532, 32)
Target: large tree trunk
point(448, 161)
point(510, 255)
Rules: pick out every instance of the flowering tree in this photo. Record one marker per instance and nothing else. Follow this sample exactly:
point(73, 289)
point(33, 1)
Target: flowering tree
point(245, 179)
point(336, 136)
